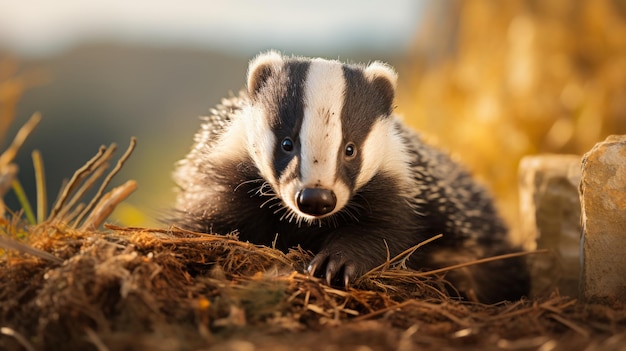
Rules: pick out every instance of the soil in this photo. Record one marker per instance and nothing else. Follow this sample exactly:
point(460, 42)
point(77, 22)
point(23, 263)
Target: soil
point(151, 289)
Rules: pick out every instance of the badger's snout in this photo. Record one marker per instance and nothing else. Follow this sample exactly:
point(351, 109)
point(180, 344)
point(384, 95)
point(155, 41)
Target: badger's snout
point(316, 201)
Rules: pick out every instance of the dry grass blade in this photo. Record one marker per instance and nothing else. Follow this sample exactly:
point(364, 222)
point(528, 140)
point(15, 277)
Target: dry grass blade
point(8, 171)
point(19, 337)
point(97, 170)
point(74, 181)
point(13, 244)
point(107, 180)
point(9, 154)
point(23, 199)
point(107, 204)
point(7, 174)
point(40, 183)
point(69, 217)
point(80, 193)
point(573, 326)
point(95, 340)
point(480, 261)
point(400, 257)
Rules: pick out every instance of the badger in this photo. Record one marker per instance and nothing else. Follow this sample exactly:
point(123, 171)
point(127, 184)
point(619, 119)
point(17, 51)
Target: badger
point(311, 154)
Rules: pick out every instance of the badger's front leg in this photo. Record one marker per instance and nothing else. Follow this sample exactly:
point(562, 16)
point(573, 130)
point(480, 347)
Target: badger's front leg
point(340, 263)
point(346, 256)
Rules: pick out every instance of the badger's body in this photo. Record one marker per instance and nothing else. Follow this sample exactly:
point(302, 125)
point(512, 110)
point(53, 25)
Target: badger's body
point(312, 155)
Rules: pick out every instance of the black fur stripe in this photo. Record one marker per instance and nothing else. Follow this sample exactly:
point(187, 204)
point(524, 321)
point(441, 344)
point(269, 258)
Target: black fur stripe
point(360, 110)
point(290, 113)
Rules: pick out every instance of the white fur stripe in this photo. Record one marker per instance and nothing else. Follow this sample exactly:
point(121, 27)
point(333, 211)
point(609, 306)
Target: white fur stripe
point(384, 151)
point(321, 132)
point(260, 140)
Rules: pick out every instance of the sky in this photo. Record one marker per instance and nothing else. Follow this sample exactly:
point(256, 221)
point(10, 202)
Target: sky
point(40, 27)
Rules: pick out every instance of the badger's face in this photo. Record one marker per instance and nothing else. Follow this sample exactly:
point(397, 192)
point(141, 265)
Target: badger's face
point(319, 130)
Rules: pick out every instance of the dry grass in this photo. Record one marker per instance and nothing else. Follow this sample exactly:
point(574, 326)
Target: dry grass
point(134, 288)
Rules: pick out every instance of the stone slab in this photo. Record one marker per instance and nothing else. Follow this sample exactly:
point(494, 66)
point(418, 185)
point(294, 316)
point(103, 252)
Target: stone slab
point(603, 198)
point(550, 219)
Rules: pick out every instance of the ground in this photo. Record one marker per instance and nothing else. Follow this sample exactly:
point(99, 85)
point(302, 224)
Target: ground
point(153, 289)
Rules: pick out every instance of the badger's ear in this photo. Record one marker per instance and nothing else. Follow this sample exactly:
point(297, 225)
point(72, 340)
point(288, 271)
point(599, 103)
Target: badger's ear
point(384, 79)
point(261, 68)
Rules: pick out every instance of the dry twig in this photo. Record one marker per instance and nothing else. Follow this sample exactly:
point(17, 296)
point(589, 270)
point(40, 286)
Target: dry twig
point(107, 180)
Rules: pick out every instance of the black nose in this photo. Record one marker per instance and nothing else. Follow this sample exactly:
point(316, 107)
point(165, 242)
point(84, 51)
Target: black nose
point(316, 201)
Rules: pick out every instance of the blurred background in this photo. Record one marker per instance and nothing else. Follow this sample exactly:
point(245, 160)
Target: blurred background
point(490, 81)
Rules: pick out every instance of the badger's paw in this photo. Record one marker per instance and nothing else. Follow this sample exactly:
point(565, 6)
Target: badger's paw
point(337, 267)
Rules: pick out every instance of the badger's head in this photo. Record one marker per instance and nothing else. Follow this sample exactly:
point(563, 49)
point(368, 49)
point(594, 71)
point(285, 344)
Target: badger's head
point(319, 130)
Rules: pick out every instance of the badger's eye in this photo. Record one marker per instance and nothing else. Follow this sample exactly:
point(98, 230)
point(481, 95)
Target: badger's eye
point(287, 144)
point(350, 151)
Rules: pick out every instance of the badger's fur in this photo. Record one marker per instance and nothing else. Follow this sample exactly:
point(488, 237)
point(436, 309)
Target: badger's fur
point(312, 155)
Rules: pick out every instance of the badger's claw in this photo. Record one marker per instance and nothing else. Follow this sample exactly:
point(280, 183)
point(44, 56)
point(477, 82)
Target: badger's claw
point(318, 261)
point(330, 266)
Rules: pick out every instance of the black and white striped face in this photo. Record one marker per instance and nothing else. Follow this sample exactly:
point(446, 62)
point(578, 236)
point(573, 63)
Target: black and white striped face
point(319, 130)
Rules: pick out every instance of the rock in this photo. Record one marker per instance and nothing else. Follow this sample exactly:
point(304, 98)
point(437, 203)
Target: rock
point(603, 198)
point(550, 219)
